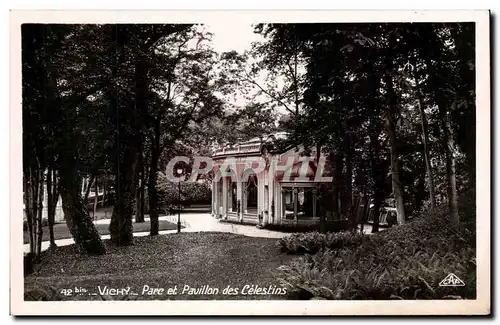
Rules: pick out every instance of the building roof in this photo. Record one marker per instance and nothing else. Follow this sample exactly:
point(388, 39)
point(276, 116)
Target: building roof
point(249, 147)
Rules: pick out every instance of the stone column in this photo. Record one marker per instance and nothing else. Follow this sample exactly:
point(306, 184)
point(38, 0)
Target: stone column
point(279, 204)
point(260, 197)
point(216, 198)
point(244, 197)
point(214, 195)
point(229, 196)
point(270, 193)
point(295, 199)
point(314, 191)
point(239, 197)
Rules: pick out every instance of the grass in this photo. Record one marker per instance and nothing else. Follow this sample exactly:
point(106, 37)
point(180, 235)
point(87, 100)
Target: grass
point(194, 259)
point(403, 262)
point(61, 231)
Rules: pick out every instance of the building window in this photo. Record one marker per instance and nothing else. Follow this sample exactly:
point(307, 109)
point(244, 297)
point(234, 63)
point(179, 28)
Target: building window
point(298, 202)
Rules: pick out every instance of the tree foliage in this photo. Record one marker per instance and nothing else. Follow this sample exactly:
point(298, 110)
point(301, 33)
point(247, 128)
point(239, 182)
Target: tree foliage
point(360, 98)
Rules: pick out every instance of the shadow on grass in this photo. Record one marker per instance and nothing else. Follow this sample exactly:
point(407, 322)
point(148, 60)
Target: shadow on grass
point(61, 231)
point(192, 264)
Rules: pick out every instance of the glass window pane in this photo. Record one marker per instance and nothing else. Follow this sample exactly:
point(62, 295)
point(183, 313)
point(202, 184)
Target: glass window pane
point(287, 199)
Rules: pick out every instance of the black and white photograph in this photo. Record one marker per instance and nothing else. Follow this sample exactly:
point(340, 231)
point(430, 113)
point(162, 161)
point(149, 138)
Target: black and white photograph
point(252, 159)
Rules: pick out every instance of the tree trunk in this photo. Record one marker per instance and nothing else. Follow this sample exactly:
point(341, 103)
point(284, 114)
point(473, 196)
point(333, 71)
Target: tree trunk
point(449, 147)
point(448, 144)
point(56, 190)
point(376, 212)
point(138, 203)
point(352, 215)
point(378, 180)
point(129, 139)
point(39, 230)
point(144, 171)
point(364, 213)
point(425, 140)
point(52, 198)
point(466, 53)
point(139, 200)
point(395, 173)
point(28, 204)
point(34, 208)
point(120, 227)
point(348, 206)
point(420, 193)
point(428, 165)
point(336, 186)
point(450, 171)
point(104, 193)
point(96, 199)
point(321, 190)
point(76, 213)
point(397, 187)
point(153, 171)
point(88, 186)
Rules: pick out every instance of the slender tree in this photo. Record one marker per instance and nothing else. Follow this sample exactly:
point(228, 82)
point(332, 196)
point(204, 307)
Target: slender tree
point(43, 49)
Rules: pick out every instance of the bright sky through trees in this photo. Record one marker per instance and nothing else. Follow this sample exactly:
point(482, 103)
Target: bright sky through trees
point(238, 37)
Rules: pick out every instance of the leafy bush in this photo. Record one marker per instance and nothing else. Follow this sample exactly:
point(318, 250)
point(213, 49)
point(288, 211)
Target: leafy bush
point(312, 242)
point(405, 262)
point(466, 208)
point(42, 293)
point(191, 192)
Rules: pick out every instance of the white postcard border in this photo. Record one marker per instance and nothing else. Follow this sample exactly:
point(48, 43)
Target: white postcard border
point(480, 306)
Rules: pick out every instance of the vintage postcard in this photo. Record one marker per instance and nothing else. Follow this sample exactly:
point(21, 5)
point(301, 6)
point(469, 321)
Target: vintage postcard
point(250, 162)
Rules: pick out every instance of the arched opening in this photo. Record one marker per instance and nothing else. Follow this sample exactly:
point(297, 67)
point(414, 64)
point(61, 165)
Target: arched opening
point(234, 198)
point(250, 194)
point(231, 191)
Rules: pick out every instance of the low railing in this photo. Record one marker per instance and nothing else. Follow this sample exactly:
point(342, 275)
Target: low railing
point(237, 150)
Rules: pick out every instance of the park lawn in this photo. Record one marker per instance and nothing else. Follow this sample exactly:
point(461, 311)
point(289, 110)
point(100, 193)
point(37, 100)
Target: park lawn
point(210, 259)
point(61, 231)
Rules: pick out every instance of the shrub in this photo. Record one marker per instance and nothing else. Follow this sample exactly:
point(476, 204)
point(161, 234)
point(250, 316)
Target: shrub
point(405, 262)
point(330, 226)
point(196, 192)
point(312, 242)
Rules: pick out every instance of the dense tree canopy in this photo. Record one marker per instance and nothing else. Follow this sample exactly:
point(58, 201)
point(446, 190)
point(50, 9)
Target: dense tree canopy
point(381, 98)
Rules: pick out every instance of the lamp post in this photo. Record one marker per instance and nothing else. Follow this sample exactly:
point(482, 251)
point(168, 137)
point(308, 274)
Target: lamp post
point(179, 171)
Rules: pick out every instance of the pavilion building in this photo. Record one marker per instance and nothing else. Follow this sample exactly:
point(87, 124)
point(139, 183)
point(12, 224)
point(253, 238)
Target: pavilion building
point(255, 184)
